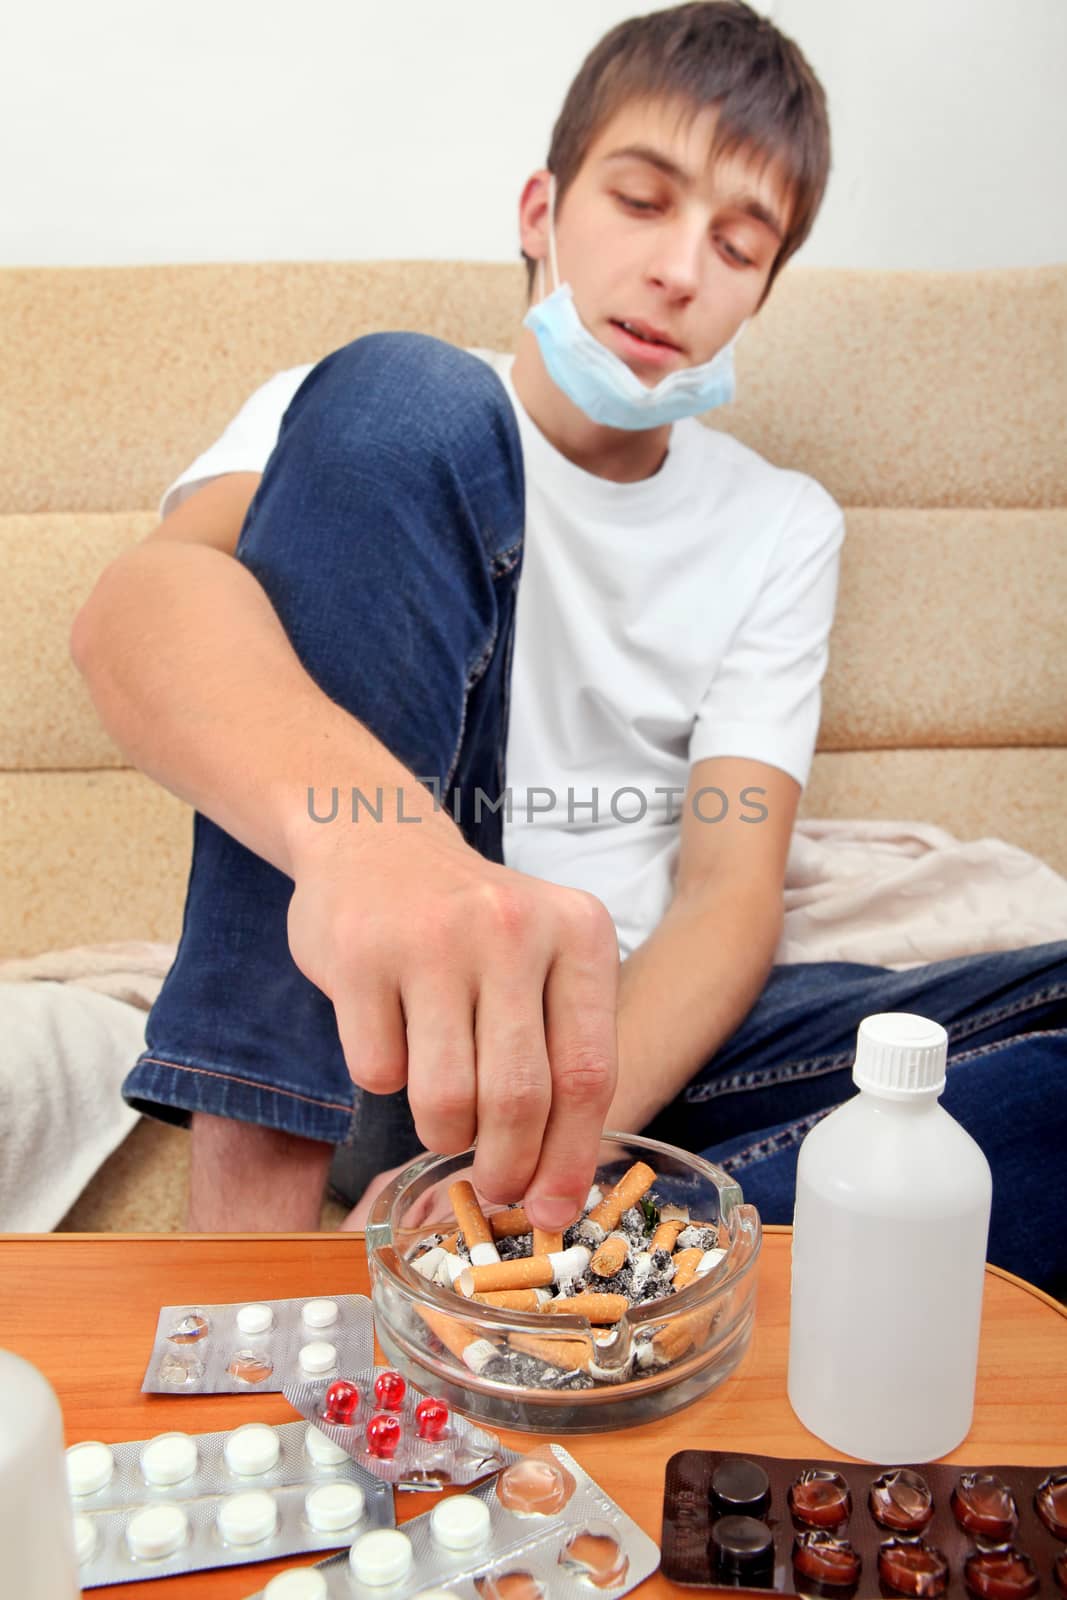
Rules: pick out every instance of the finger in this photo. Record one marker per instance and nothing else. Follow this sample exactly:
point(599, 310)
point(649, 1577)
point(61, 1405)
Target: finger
point(514, 1086)
point(442, 1089)
point(370, 1024)
point(580, 1030)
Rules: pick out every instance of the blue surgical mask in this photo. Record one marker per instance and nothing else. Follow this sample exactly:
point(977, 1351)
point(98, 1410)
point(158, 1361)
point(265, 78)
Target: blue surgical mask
point(599, 382)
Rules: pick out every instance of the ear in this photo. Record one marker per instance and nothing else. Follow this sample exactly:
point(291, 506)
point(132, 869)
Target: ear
point(533, 216)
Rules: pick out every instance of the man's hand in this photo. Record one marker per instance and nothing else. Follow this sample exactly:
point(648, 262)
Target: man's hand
point(490, 994)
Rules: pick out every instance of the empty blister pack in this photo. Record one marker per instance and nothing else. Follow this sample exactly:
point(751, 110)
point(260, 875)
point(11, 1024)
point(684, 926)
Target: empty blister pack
point(180, 1502)
point(542, 1530)
point(401, 1436)
point(840, 1529)
point(259, 1346)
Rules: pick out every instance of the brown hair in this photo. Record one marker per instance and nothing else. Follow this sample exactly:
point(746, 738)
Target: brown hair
point(717, 53)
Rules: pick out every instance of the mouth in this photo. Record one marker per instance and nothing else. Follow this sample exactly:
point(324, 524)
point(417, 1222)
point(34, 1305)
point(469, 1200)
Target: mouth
point(645, 333)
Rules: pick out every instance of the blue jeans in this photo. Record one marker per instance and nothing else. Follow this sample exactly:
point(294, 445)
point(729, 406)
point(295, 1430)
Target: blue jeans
point(387, 533)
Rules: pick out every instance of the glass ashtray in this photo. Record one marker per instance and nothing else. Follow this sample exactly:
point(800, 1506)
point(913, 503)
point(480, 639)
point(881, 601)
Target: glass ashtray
point(658, 1357)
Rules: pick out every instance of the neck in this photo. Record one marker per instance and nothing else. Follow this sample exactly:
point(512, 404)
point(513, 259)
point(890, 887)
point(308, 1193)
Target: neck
point(614, 453)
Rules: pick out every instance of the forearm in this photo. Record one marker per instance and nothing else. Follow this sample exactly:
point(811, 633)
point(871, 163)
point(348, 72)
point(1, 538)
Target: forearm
point(687, 988)
point(194, 678)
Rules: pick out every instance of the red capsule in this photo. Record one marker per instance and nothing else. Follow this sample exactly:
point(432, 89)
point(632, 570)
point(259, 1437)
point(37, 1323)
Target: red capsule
point(389, 1390)
point(431, 1419)
point(383, 1435)
point(340, 1402)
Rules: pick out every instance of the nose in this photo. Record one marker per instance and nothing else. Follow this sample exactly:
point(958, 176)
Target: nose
point(675, 261)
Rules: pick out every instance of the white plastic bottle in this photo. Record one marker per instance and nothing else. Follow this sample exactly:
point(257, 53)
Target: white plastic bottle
point(889, 1240)
point(36, 1523)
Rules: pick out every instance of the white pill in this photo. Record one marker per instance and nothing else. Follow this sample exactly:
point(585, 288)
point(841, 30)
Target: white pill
point(255, 1319)
point(381, 1557)
point(89, 1467)
point(322, 1450)
point(84, 1538)
point(299, 1583)
point(252, 1449)
point(333, 1506)
point(320, 1313)
point(318, 1357)
point(248, 1518)
point(156, 1532)
point(461, 1523)
point(169, 1458)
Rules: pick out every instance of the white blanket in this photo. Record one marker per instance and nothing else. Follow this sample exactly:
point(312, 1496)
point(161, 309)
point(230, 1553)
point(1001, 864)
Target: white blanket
point(895, 894)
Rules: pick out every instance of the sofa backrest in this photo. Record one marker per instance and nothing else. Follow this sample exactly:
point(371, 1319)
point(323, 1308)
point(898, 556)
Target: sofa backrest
point(930, 404)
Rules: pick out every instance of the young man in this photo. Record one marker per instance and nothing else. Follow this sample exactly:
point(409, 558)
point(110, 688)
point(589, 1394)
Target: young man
point(538, 575)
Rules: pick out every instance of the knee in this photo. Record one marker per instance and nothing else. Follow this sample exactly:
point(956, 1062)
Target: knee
point(415, 393)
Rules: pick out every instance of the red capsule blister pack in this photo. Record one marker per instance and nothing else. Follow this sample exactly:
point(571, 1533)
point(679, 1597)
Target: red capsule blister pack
point(843, 1530)
point(406, 1438)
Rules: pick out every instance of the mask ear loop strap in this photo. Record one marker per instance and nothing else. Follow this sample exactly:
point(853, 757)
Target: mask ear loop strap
point(551, 241)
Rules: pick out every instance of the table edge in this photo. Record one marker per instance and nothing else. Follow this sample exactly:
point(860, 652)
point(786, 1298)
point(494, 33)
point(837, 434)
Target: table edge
point(360, 1236)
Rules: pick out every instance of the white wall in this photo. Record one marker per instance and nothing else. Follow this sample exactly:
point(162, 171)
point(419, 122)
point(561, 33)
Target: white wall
point(207, 130)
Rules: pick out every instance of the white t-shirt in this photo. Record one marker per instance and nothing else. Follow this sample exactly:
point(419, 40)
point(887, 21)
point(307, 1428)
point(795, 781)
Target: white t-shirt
point(658, 623)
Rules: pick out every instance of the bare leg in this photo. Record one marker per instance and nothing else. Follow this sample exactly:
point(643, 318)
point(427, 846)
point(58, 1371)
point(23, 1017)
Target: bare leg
point(244, 1178)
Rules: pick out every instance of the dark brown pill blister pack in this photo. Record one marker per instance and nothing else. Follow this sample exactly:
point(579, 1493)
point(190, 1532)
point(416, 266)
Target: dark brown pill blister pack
point(842, 1530)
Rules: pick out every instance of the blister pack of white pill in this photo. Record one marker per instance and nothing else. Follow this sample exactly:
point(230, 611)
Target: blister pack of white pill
point(180, 1502)
point(259, 1346)
point(542, 1530)
point(411, 1440)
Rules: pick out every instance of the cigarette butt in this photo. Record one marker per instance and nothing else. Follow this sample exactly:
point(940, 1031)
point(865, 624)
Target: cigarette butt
point(546, 1244)
point(626, 1193)
point(666, 1234)
point(509, 1224)
point(473, 1349)
point(685, 1266)
point(449, 1242)
point(563, 1353)
point(598, 1308)
point(449, 1268)
point(428, 1262)
point(611, 1255)
point(473, 1223)
point(515, 1299)
point(526, 1272)
point(672, 1341)
point(697, 1264)
point(669, 1213)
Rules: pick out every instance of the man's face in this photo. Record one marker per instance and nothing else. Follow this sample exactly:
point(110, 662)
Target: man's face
point(654, 235)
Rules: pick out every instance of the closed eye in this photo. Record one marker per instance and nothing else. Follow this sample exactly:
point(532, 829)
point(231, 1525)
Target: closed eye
point(633, 204)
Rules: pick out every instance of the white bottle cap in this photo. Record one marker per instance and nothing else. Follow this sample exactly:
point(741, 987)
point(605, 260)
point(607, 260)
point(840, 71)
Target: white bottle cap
point(318, 1357)
point(299, 1583)
point(248, 1518)
point(252, 1449)
point(255, 1319)
point(89, 1467)
point(381, 1557)
point(898, 1055)
point(169, 1458)
point(461, 1523)
point(320, 1313)
point(333, 1506)
point(84, 1538)
point(156, 1532)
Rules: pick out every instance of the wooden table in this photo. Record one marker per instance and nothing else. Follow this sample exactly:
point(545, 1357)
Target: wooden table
point(83, 1308)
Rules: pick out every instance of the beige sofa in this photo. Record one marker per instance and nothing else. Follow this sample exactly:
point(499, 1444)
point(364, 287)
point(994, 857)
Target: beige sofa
point(931, 405)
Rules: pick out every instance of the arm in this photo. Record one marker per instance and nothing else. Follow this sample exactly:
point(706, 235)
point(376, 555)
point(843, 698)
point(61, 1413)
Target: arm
point(489, 994)
point(685, 990)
